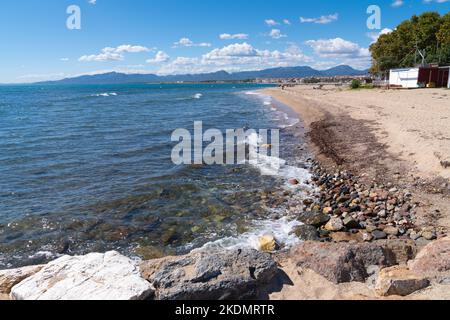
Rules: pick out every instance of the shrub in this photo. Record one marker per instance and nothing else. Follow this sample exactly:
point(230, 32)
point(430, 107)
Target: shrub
point(356, 84)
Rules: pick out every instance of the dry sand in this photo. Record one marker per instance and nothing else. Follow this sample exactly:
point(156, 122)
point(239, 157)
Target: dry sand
point(387, 136)
point(415, 124)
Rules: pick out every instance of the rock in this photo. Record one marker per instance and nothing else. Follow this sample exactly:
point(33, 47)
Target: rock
point(366, 236)
point(377, 234)
point(382, 214)
point(335, 224)
point(392, 231)
point(399, 281)
point(429, 234)
point(402, 250)
point(95, 276)
point(293, 182)
point(9, 278)
point(313, 218)
point(230, 274)
point(345, 237)
point(433, 260)
point(341, 262)
point(306, 233)
point(327, 210)
point(351, 223)
point(267, 243)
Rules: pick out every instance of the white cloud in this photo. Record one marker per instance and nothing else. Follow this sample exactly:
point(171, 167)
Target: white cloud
point(235, 57)
point(239, 36)
point(438, 1)
point(397, 3)
point(271, 22)
point(287, 22)
point(113, 54)
point(160, 57)
point(186, 42)
point(131, 49)
point(375, 35)
point(93, 2)
point(276, 34)
point(321, 20)
point(105, 56)
point(64, 59)
point(337, 48)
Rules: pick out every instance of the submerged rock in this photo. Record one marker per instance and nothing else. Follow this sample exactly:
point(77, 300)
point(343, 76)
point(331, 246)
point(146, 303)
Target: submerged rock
point(9, 278)
point(399, 281)
point(230, 274)
point(95, 276)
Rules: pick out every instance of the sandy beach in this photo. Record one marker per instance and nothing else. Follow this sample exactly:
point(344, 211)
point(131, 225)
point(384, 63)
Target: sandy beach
point(396, 136)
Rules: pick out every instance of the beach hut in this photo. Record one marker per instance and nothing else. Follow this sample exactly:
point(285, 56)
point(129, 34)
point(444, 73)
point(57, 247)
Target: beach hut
point(422, 77)
point(405, 78)
point(434, 76)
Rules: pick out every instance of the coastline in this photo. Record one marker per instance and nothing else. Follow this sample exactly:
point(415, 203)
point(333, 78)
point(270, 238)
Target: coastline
point(312, 269)
point(349, 129)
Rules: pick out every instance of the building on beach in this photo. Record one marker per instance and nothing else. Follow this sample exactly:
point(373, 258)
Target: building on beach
point(431, 76)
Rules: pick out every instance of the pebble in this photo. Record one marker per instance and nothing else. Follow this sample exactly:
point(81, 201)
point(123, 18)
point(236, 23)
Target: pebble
point(335, 224)
point(379, 211)
point(391, 231)
point(378, 235)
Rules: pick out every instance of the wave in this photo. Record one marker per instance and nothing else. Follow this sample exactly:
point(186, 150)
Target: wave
point(106, 94)
point(195, 96)
point(281, 230)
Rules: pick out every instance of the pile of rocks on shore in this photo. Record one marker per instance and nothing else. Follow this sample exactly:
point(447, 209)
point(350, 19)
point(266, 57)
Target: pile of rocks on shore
point(344, 210)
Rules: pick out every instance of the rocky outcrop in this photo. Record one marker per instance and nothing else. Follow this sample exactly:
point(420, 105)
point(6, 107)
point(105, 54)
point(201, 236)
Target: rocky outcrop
point(341, 262)
point(95, 276)
point(434, 260)
point(9, 278)
point(234, 274)
point(399, 281)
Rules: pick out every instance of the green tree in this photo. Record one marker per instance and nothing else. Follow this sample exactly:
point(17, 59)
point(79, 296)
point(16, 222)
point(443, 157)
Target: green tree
point(428, 32)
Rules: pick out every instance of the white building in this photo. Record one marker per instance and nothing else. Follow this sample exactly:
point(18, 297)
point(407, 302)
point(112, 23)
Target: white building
point(406, 78)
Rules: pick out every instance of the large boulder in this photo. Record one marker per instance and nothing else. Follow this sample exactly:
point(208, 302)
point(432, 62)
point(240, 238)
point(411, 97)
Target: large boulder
point(341, 262)
point(95, 276)
point(229, 274)
point(399, 281)
point(9, 278)
point(403, 250)
point(434, 260)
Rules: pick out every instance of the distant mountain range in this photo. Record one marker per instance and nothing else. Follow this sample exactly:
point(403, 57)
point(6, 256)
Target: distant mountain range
point(283, 72)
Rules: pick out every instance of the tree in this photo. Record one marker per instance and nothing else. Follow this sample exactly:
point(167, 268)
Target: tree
point(428, 32)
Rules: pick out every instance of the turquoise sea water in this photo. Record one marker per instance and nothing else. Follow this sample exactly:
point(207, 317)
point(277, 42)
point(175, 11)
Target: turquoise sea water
point(88, 168)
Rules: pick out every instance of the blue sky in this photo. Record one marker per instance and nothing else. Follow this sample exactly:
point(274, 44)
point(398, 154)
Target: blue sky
point(190, 36)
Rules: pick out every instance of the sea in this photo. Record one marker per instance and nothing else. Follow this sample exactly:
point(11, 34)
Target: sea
point(88, 169)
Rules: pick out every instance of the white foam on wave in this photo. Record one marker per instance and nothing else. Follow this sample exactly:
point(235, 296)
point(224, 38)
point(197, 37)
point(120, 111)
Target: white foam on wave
point(274, 166)
point(197, 96)
point(280, 229)
point(105, 94)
